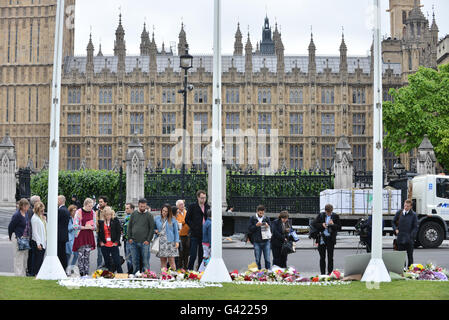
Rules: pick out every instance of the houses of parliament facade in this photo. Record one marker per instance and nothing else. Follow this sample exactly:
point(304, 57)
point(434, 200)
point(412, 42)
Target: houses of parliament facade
point(311, 100)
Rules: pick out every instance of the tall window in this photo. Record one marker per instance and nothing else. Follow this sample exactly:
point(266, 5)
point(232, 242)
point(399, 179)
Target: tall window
point(105, 157)
point(296, 123)
point(201, 119)
point(73, 157)
point(136, 123)
point(389, 160)
point(233, 121)
point(358, 124)
point(265, 122)
point(264, 155)
point(296, 96)
point(359, 156)
point(200, 96)
point(327, 95)
point(105, 95)
point(166, 163)
point(358, 96)
point(168, 122)
point(327, 155)
point(105, 123)
point(168, 95)
point(73, 124)
point(327, 124)
point(264, 95)
point(137, 95)
point(231, 146)
point(296, 156)
point(232, 95)
point(74, 96)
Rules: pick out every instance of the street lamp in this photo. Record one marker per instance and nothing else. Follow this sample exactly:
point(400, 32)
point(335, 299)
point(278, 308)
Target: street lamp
point(186, 62)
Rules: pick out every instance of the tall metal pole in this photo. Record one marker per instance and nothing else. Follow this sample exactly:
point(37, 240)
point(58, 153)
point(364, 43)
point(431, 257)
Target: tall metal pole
point(51, 268)
point(376, 270)
point(184, 128)
point(216, 270)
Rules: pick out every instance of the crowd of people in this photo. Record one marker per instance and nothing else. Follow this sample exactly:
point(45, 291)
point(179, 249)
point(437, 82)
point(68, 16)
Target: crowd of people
point(178, 236)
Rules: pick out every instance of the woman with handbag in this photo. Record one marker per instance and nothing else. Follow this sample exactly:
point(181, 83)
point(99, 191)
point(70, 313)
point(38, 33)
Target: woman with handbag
point(109, 232)
point(84, 224)
point(168, 237)
point(39, 238)
point(279, 240)
point(20, 226)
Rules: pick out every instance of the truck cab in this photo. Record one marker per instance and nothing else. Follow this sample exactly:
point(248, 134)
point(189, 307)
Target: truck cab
point(430, 196)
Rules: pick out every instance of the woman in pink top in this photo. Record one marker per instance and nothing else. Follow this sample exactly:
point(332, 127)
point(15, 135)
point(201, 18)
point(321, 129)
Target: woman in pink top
point(84, 224)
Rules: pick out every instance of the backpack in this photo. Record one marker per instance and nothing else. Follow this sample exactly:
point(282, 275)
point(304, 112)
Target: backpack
point(313, 232)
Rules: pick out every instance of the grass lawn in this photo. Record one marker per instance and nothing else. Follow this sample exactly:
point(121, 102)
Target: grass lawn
point(17, 288)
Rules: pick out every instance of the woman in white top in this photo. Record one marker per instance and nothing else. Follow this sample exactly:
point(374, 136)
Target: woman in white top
point(39, 238)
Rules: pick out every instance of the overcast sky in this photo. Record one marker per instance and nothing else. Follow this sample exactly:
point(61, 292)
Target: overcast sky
point(294, 19)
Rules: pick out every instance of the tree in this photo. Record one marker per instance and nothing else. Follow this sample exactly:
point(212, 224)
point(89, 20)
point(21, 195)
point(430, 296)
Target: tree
point(420, 108)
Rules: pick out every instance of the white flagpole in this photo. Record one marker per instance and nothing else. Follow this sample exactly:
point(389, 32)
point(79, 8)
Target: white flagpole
point(51, 268)
point(376, 270)
point(216, 270)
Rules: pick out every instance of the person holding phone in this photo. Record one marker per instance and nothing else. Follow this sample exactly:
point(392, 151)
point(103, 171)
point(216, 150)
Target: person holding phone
point(260, 230)
point(84, 224)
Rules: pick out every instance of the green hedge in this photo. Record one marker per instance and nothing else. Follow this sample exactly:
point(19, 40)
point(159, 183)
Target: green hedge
point(83, 183)
point(86, 183)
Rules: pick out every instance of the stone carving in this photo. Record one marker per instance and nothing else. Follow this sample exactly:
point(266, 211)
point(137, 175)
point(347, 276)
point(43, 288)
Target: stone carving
point(7, 174)
point(343, 165)
point(135, 171)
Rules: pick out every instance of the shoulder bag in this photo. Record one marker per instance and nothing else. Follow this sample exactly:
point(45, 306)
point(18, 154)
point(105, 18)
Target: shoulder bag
point(155, 246)
point(23, 242)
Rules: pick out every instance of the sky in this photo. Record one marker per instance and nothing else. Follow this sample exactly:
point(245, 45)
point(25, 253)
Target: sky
point(295, 18)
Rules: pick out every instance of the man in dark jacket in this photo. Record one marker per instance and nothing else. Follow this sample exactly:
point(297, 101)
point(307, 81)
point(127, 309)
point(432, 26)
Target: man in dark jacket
point(63, 230)
point(260, 231)
point(405, 226)
point(196, 216)
point(328, 224)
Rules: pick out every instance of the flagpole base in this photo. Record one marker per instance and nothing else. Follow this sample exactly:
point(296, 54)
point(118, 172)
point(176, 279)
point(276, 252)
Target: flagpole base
point(51, 269)
point(376, 272)
point(216, 271)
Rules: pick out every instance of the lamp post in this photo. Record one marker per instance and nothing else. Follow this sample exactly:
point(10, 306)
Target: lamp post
point(186, 62)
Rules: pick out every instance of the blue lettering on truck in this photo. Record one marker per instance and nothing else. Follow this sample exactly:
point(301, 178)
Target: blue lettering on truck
point(430, 186)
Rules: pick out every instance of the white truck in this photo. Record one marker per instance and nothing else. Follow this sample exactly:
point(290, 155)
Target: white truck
point(430, 196)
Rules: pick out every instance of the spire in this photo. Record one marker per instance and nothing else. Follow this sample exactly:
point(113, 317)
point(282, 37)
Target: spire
point(99, 54)
point(434, 26)
point(145, 42)
point(343, 54)
point(182, 45)
point(90, 45)
point(312, 56)
point(248, 56)
point(120, 47)
point(238, 45)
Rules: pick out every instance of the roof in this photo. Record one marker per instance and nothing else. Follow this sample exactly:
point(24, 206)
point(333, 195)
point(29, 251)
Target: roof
point(206, 61)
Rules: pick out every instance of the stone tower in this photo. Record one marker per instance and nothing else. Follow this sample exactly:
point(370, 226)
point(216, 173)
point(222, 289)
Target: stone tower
point(26, 63)
point(399, 11)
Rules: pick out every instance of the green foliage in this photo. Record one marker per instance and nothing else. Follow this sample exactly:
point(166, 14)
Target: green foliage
point(83, 183)
point(86, 183)
point(420, 108)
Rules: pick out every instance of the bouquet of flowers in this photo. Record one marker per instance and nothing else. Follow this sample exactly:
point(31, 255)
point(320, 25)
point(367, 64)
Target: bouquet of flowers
point(427, 272)
point(148, 274)
point(103, 274)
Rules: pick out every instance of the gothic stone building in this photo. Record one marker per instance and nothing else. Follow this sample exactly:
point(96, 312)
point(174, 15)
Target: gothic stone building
point(311, 100)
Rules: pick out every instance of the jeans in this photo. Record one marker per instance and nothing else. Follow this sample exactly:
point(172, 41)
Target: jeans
point(115, 253)
point(128, 256)
point(196, 248)
point(329, 246)
point(264, 247)
point(74, 258)
point(139, 249)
